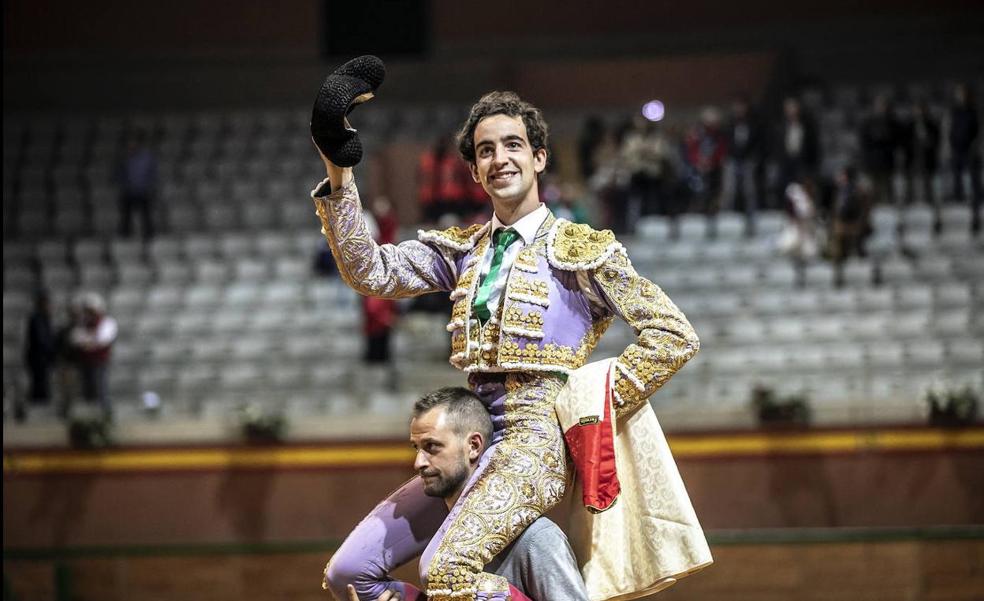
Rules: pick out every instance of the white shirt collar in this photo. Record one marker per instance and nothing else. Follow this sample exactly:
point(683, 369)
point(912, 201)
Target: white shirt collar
point(528, 226)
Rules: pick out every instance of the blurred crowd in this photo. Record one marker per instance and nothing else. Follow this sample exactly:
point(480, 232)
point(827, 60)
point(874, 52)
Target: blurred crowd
point(74, 351)
point(746, 161)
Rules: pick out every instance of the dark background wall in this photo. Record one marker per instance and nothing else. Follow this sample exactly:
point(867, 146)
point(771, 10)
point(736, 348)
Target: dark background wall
point(185, 54)
point(858, 490)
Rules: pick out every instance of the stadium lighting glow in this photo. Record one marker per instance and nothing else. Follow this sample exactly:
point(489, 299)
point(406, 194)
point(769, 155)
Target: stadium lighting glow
point(653, 110)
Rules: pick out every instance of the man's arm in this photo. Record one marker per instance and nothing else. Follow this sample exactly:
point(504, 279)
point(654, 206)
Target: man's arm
point(665, 340)
point(408, 269)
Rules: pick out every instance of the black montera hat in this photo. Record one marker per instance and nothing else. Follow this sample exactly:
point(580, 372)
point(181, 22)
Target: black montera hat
point(348, 86)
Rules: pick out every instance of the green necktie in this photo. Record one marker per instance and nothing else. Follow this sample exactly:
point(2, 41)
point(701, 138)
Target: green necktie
point(503, 238)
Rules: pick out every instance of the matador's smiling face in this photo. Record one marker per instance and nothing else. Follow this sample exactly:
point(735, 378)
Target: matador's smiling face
point(506, 165)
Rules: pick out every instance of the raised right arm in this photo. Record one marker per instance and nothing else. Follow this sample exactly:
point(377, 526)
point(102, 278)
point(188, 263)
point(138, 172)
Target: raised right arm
point(403, 270)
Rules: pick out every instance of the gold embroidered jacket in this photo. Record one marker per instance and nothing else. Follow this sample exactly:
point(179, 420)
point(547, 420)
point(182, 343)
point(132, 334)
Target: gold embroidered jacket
point(561, 295)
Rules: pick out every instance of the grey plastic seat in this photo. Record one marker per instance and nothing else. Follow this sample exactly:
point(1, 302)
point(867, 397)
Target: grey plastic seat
point(164, 249)
point(254, 348)
point(875, 299)
point(52, 252)
point(219, 216)
point(208, 350)
point(210, 271)
point(230, 322)
point(152, 325)
point(173, 272)
point(242, 294)
point(966, 352)
point(885, 354)
point(89, 251)
point(292, 269)
point(57, 277)
point(164, 298)
point(312, 345)
point(786, 329)
point(69, 220)
point(240, 376)
point(19, 277)
point(197, 247)
point(953, 295)
point(169, 351)
point(126, 300)
point(915, 296)
point(204, 296)
point(95, 276)
point(925, 354)
point(843, 355)
point(123, 251)
point(251, 270)
point(184, 218)
point(134, 274)
point(192, 323)
point(235, 246)
point(910, 324)
point(953, 321)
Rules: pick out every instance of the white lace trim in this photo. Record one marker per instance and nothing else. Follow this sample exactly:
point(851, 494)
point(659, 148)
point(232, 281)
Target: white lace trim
point(552, 257)
point(529, 298)
point(618, 399)
point(522, 365)
point(524, 267)
point(454, 325)
point(523, 332)
point(435, 237)
point(318, 187)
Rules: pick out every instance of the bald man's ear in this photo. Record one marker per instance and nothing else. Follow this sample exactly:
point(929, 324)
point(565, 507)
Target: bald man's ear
point(476, 446)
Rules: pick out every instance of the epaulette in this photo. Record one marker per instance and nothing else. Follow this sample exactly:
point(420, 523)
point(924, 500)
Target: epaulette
point(454, 237)
point(579, 247)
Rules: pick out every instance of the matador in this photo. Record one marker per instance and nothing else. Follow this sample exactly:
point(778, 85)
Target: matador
point(532, 294)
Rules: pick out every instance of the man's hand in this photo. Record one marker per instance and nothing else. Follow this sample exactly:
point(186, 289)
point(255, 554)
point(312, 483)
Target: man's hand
point(386, 596)
point(339, 176)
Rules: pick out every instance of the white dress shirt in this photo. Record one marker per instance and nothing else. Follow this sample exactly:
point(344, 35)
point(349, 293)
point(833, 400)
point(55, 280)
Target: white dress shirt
point(527, 227)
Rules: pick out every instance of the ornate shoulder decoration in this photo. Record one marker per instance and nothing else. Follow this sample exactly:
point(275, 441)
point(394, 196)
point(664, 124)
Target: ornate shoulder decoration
point(454, 237)
point(579, 247)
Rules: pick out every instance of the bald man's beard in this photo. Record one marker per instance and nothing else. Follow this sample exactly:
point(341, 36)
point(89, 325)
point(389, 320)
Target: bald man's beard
point(445, 485)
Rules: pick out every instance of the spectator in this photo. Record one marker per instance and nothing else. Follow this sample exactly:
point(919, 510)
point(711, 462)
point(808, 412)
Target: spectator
point(386, 222)
point(798, 239)
point(921, 156)
point(138, 185)
point(67, 359)
point(879, 139)
point(797, 144)
point(705, 148)
point(644, 152)
point(39, 350)
point(610, 183)
point(93, 337)
point(591, 136)
point(562, 199)
point(324, 262)
point(964, 154)
point(444, 184)
point(741, 168)
point(380, 315)
point(850, 221)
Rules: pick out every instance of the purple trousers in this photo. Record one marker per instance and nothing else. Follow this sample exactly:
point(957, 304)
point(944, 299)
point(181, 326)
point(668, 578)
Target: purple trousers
point(519, 477)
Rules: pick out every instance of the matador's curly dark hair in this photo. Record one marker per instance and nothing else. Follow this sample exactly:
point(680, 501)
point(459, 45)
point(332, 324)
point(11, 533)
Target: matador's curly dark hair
point(502, 103)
